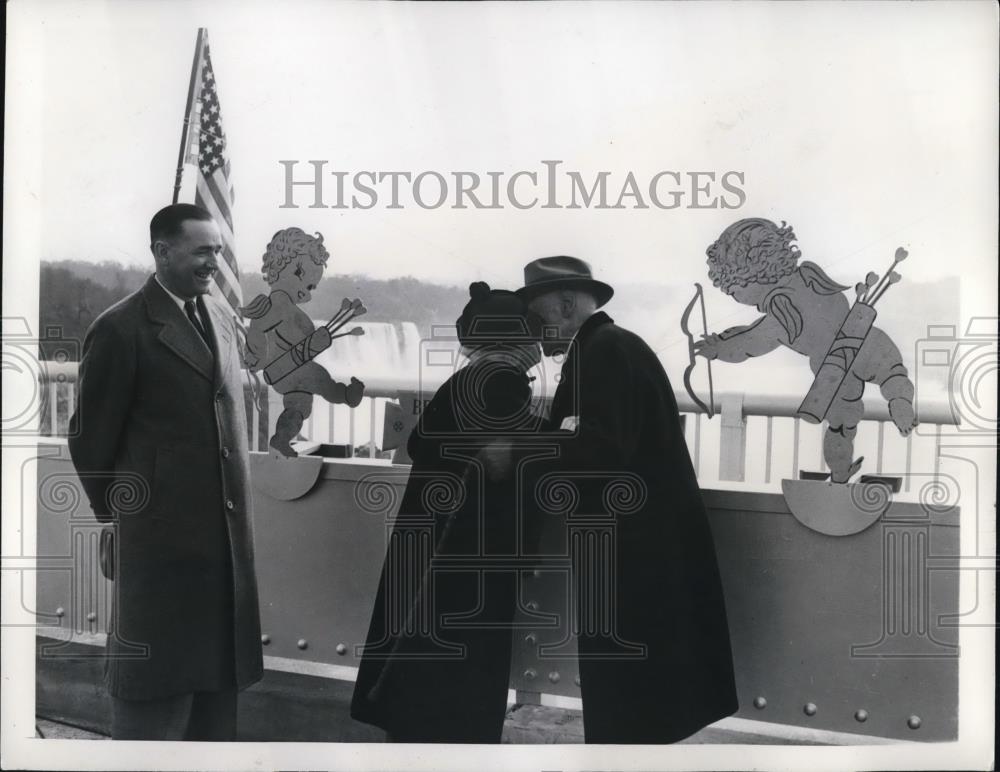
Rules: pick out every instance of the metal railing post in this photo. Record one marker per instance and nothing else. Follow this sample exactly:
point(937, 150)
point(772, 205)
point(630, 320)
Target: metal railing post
point(733, 439)
point(275, 405)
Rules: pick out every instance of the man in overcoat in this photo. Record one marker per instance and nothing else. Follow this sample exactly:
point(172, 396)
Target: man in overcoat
point(665, 669)
point(159, 440)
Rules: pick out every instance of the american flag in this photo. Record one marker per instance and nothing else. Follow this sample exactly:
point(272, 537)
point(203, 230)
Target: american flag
point(206, 150)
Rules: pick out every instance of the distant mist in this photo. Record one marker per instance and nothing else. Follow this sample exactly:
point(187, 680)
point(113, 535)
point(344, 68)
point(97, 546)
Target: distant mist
point(73, 293)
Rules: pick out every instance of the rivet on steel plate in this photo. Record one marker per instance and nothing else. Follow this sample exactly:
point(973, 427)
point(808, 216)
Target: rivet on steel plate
point(533, 605)
point(60, 611)
point(554, 677)
point(760, 703)
point(341, 648)
point(302, 643)
point(530, 674)
point(91, 616)
point(914, 722)
point(576, 680)
point(531, 638)
point(861, 715)
point(809, 709)
point(265, 639)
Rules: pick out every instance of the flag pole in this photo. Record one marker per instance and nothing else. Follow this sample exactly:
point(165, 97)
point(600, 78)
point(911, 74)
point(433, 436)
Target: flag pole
point(186, 126)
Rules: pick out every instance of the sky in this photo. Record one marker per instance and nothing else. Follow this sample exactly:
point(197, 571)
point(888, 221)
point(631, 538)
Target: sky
point(864, 126)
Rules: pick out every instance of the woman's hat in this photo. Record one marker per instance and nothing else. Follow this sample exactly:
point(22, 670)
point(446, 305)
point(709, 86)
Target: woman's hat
point(496, 316)
point(562, 272)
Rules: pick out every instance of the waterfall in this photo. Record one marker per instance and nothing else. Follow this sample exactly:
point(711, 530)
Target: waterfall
point(392, 352)
point(386, 349)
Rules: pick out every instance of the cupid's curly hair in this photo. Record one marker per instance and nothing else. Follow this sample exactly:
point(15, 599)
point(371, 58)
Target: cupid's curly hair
point(288, 244)
point(754, 250)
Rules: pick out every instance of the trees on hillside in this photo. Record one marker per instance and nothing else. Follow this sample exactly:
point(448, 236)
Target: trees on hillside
point(73, 293)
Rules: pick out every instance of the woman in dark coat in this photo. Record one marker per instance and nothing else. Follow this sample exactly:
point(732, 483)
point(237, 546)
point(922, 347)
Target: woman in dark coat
point(436, 663)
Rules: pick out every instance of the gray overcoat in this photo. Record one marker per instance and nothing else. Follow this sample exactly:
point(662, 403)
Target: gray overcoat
point(159, 440)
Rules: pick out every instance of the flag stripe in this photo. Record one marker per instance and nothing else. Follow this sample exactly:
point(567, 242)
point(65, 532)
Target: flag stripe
point(231, 280)
point(223, 195)
point(226, 278)
point(228, 266)
point(219, 291)
point(207, 151)
point(204, 197)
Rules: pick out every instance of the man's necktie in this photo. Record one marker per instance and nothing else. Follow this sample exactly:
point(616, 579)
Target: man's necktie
point(192, 315)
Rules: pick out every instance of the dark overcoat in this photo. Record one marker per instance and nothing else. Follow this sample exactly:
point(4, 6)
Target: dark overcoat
point(436, 665)
point(159, 440)
point(667, 594)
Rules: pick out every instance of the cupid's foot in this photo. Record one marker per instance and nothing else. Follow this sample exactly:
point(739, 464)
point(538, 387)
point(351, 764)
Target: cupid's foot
point(843, 475)
point(282, 446)
point(286, 427)
point(355, 391)
point(902, 414)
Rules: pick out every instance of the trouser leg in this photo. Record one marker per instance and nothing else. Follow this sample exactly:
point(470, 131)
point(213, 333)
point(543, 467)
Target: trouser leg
point(159, 719)
point(213, 716)
point(191, 716)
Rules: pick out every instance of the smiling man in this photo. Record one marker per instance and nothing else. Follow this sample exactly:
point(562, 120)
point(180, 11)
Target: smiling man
point(160, 443)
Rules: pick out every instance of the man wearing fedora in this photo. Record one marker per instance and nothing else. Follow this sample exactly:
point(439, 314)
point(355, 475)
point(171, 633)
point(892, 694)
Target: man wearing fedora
point(614, 416)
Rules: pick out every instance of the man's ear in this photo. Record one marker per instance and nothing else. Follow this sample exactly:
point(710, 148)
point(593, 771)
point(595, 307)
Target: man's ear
point(567, 303)
point(159, 248)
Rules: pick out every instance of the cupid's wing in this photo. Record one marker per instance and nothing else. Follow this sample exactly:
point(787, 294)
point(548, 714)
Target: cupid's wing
point(787, 315)
point(817, 280)
point(257, 308)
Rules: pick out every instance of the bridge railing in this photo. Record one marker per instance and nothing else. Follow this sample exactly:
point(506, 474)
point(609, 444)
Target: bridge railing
point(754, 441)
